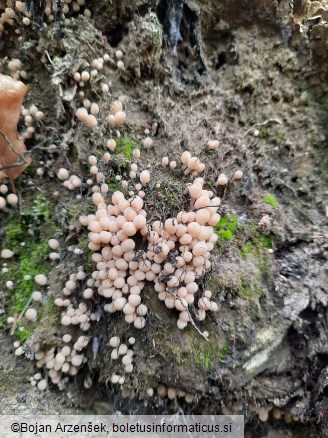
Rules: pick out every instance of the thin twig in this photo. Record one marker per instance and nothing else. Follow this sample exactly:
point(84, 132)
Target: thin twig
point(190, 318)
point(11, 146)
point(10, 166)
point(196, 328)
point(48, 56)
point(263, 124)
point(13, 328)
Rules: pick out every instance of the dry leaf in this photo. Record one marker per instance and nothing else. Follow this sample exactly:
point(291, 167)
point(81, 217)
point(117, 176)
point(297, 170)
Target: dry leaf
point(12, 149)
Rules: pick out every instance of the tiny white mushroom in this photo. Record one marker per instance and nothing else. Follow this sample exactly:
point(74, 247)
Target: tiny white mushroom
point(40, 279)
point(6, 253)
point(31, 314)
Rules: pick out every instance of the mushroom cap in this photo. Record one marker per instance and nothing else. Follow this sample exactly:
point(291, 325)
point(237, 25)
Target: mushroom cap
point(120, 117)
point(6, 253)
point(37, 296)
point(40, 279)
point(147, 142)
point(144, 177)
point(238, 174)
point(31, 314)
point(222, 180)
point(53, 243)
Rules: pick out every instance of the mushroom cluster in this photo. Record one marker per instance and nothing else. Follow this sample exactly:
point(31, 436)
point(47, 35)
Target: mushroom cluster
point(7, 198)
point(131, 247)
point(14, 65)
point(21, 12)
point(90, 119)
point(31, 313)
point(121, 350)
point(191, 164)
point(172, 254)
point(31, 116)
point(61, 362)
point(171, 393)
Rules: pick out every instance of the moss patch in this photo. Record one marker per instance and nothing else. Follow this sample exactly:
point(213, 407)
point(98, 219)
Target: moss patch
point(266, 241)
point(125, 146)
point(226, 230)
point(84, 242)
point(47, 318)
point(249, 289)
point(32, 261)
point(271, 200)
point(40, 208)
point(113, 185)
point(167, 200)
point(256, 249)
point(208, 354)
point(75, 211)
point(279, 138)
point(27, 235)
point(227, 227)
point(263, 133)
point(258, 242)
point(13, 234)
point(121, 161)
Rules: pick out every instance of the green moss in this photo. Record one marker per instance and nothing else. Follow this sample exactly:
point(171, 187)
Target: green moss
point(227, 221)
point(47, 318)
point(23, 333)
point(246, 293)
point(208, 354)
point(33, 228)
point(226, 229)
point(264, 265)
point(271, 200)
point(249, 290)
point(263, 133)
point(256, 248)
point(49, 313)
point(224, 351)
point(258, 242)
point(279, 138)
point(125, 146)
point(13, 234)
point(84, 242)
point(121, 162)
point(247, 249)
point(113, 184)
point(32, 260)
point(74, 211)
point(226, 234)
point(40, 207)
point(168, 199)
point(266, 241)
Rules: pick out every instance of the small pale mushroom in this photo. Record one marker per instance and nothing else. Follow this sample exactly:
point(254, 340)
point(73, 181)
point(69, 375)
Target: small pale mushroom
point(31, 314)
